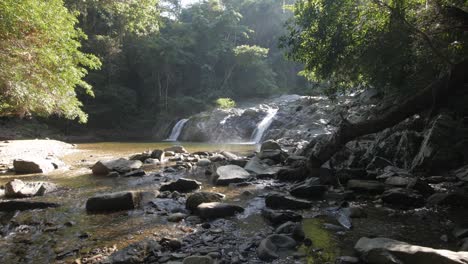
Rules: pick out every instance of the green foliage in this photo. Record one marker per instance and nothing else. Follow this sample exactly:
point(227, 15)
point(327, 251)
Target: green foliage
point(225, 103)
point(40, 61)
point(387, 44)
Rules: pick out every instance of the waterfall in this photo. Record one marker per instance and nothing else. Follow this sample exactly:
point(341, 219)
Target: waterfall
point(263, 125)
point(176, 130)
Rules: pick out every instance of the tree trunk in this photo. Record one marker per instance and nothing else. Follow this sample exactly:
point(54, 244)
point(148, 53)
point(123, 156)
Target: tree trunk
point(420, 101)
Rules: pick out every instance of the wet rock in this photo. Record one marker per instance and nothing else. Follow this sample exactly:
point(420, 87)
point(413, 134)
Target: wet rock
point(462, 173)
point(135, 253)
point(460, 233)
point(181, 185)
point(170, 243)
point(292, 175)
point(158, 154)
point(198, 260)
point(280, 217)
point(464, 245)
point(270, 145)
point(310, 189)
point(456, 199)
point(347, 260)
point(198, 198)
point(176, 217)
point(292, 229)
point(135, 173)
point(217, 210)
point(279, 201)
point(255, 165)
point(114, 202)
point(366, 186)
point(169, 153)
point(385, 250)
point(404, 197)
point(19, 189)
point(398, 181)
point(11, 206)
point(229, 155)
point(275, 156)
point(33, 166)
point(118, 165)
point(141, 157)
point(203, 162)
point(275, 246)
point(230, 174)
point(152, 161)
point(421, 186)
point(176, 149)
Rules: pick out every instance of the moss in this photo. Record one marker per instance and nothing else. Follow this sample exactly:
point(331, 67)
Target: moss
point(324, 249)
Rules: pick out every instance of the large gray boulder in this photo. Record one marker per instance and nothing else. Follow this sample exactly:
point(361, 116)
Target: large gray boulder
point(119, 201)
point(230, 174)
point(33, 166)
point(19, 189)
point(385, 250)
point(256, 166)
point(280, 201)
point(217, 210)
point(181, 185)
point(275, 246)
point(270, 145)
point(198, 198)
point(118, 165)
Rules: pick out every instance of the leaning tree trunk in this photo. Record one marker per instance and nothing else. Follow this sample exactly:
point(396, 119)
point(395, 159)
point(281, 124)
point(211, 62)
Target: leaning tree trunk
point(424, 99)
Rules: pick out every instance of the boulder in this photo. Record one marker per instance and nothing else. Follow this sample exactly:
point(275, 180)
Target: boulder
point(198, 260)
point(181, 185)
point(275, 246)
point(231, 174)
point(33, 166)
point(217, 210)
point(152, 161)
point(279, 201)
point(366, 186)
point(176, 217)
point(456, 199)
point(140, 156)
point(135, 173)
point(135, 253)
point(272, 154)
point(291, 229)
point(198, 198)
point(19, 189)
point(203, 162)
point(11, 206)
point(118, 165)
point(385, 250)
point(462, 173)
point(256, 166)
point(403, 197)
point(270, 145)
point(398, 181)
point(310, 189)
point(158, 154)
point(277, 217)
point(114, 202)
point(176, 149)
point(229, 155)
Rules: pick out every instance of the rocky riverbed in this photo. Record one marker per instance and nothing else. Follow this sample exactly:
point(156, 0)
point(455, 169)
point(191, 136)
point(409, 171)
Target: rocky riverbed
point(171, 206)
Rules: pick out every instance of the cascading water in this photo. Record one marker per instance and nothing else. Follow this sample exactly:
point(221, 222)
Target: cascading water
point(176, 130)
point(263, 125)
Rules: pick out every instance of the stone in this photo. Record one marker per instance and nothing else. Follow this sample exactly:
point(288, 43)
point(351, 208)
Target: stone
point(230, 174)
point(118, 165)
point(292, 229)
point(11, 206)
point(158, 154)
point(203, 162)
point(141, 156)
point(181, 185)
point(32, 166)
point(421, 186)
point(346, 260)
point(19, 189)
point(455, 199)
point(217, 210)
point(270, 145)
point(229, 155)
point(310, 189)
point(277, 217)
point(403, 197)
point(279, 201)
point(198, 198)
point(464, 245)
point(398, 181)
point(152, 161)
point(176, 217)
point(256, 166)
point(135, 253)
point(275, 246)
point(198, 260)
point(135, 173)
point(176, 149)
point(366, 186)
point(114, 202)
point(460, 233)
point(275, 155)
point(385, 250)
point(462, 173)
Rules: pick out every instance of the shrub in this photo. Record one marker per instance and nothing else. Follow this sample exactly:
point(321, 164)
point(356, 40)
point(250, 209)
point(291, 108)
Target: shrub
point(225, 103)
